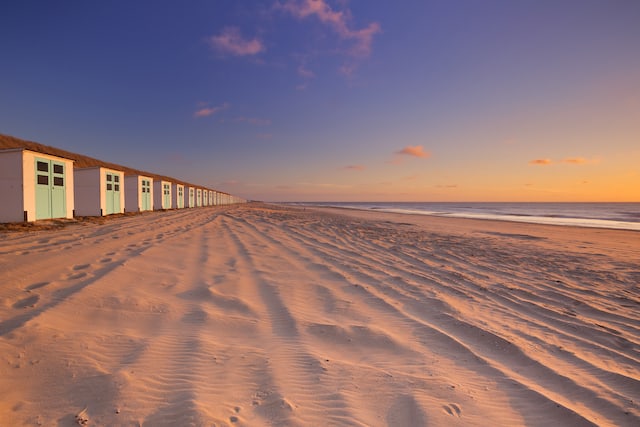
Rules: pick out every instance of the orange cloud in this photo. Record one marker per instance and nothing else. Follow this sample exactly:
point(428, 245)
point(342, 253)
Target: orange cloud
point(355, 167)
point(540, 162)
point(231, 42)
point(579, 161)
point(208, 111)
point(414, 150)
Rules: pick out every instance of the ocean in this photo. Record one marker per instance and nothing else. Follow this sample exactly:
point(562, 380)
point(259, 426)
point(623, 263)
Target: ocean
point(625, 216)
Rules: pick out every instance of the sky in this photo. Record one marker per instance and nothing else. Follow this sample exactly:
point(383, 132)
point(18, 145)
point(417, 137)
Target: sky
point(337, 100)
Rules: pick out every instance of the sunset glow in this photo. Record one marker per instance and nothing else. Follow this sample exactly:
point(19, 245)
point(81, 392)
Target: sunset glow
point(320, 100)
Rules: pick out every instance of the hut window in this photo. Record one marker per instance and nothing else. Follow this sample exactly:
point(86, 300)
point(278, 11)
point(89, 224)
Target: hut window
point(43, 179)
point(58, 169)
point(117, 187)
point(116, 178)
point(58, 181)
point(109, 187)
point(109, 177)
point(43, 167)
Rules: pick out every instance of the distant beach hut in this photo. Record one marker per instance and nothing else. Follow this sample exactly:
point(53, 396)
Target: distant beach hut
point(138, 191)
point(211, 198)
point(35, 186)
point(199, 197)
point(177, 196)
point(205, 198)
point(190, 197)
point(98, 191)
point(161, 195)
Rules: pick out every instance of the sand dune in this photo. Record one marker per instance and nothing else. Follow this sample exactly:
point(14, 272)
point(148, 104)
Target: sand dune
point(260, 315)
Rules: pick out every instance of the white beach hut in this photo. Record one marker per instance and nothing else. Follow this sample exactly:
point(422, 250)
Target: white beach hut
point(162, 195)
point(190, 197)
point(205, 197)
point(35, 186)
point(199, 197)
point(98, 191)
point(138, 190)
point(177, 196)
point(211, 203)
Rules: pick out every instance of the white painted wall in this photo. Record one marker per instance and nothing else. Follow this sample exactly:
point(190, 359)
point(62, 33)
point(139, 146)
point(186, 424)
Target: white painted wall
point(11, 186)
point(89, 192)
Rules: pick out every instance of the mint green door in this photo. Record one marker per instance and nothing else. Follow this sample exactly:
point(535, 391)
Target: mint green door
point(166, 196)
point(50, 189)
point(116, 193)
point(145, 195)
point(191, 197)
point(112, 193)
point(180, 199)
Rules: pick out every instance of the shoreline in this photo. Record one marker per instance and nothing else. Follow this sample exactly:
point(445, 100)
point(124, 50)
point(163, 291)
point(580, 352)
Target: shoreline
point(580, 222)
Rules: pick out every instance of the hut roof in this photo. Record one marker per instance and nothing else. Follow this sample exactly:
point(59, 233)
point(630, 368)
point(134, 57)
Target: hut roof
point(82, 161)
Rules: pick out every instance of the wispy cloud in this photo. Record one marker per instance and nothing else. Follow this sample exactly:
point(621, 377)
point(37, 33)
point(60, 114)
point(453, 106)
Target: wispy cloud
point(355, 167)
point(338, 20)
point(209, 111)
point(414, 150)
point(540, 162)
point(231, 42)
point(580, 161)
point(255, 121)
point(568, 160)
point(303, 71)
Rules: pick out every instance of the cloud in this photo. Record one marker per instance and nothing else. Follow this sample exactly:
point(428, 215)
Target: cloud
point(338, 20)
point(569, 160)
point(231, 42)
point(209, 111)
point(250, 120)
point(579, 161)
point(355, 167)
point(540, 162)
point(414, 150)
point(303, 71)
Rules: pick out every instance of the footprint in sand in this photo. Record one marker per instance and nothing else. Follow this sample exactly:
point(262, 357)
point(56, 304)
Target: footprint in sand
point(27, 302)
point(105, 260)
point(36, 286)
point(81, 267)
point(452, 409)
point(77, 276)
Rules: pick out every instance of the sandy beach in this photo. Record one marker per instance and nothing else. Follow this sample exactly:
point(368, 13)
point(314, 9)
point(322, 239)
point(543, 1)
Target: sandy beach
point(260, 315)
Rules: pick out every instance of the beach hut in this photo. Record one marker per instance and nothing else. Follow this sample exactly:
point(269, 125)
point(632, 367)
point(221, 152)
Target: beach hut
point(35, 186)
point(138, 191)
point(199, 197)
point(177, 196)
point(190, 197)
point(98, 191)
point(161, 195)
point(211, 198)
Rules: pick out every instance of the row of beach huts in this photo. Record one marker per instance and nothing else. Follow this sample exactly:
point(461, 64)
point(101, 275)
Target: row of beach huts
point(36, 185)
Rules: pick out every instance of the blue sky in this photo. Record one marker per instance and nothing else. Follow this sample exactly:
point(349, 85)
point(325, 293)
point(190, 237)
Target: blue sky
point(337, 100)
